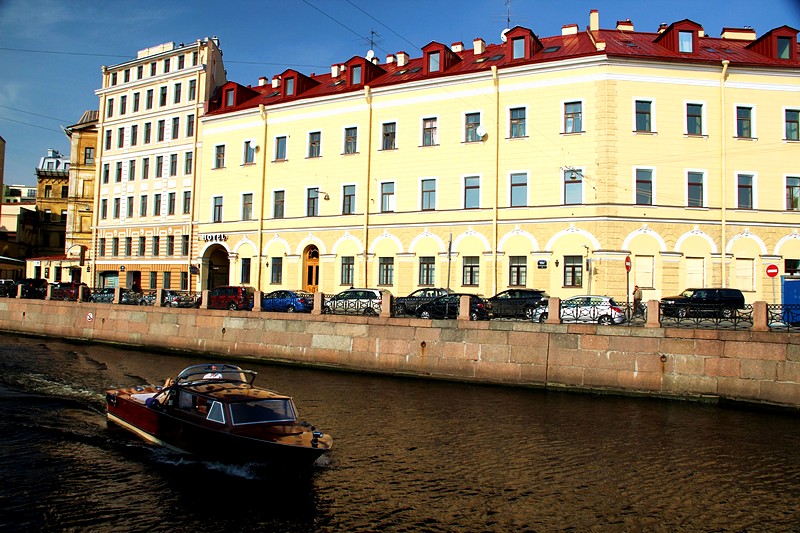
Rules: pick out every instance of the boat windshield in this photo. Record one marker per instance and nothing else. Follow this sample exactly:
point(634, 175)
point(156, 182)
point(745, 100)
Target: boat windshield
point(273, 410)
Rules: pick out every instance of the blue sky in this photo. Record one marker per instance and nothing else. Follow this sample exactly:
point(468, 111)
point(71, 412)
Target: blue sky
point(51, 51)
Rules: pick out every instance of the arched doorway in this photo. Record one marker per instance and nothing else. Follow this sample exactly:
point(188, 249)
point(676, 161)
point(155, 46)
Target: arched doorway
point(219, 266)
point(311, 268)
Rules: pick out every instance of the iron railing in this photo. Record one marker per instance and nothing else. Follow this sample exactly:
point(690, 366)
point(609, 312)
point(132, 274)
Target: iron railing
point(706, 317)
point(350, 306)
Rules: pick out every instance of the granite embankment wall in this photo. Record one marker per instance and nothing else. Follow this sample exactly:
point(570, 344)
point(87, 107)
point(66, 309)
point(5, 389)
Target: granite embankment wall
point(752, 366)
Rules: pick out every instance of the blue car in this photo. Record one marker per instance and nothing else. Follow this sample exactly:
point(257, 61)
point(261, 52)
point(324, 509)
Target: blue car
point(288, 301)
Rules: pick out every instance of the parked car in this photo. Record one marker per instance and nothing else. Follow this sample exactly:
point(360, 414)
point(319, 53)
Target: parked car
point(104, 295)
point(181, 299)
point(447, 306)
point(705, 302)
point(231, 297)
point(407, 305)
point(355, 302)
point(599, 309)
point(131, 297)
point(31, 288)
point(66, 290)
point(288, 301)
point(6, 286)
point(516, 302)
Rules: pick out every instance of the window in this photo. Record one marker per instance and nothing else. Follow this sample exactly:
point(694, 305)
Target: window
point(644, 186)
point(153, 279)
point(289, 86)
point(219, 156)
point(143, 205)
point(249, 155)
point(123, 105)
point(176, 94)
point(427, 270)
point(385, 270)
point(791, 267)
point(157, 204)
point(644, 116)
point(644, 271)
point(695, 272)
point(120, 137)
point(48, 191)
point(104, 208)
point(695, 189)
point(686, 41)
point(517, 122)
point(173, 164)
point(128, 246)
point(194, 58)
point(145, 168)
point(216, 214)
point(148, 127)
point(744, 122)
point(170, 245)
point(159, 166)
point(102, 247)
point(108, 140)
point(472, 192)
point(88, 155)
point(139, 72)
point(184, 245)
point(190, 125)
point(745, 274)
point(348, 199)
point(573, 271)
point(171, 203)
point(176, 122)
point(792, 125)
point(118, 172)
point(192, 90)
point(246, 269)
point(136, 98)
point(387, 197)
point(115, 246)
point(115, 212)
point(470, 271)
point(517, 270)
point(434, 62)
point(355, 75)
point(184, 280)
point(162, 96)
point(573, 187)
point(784, 47)
point(694, 119)
point(131, 170)
point(181, 62)
point(518, 48)
point(105, 173)
point(280, 148)
point(247, 206)
point(277, 204)
point(229, 98)
point(276, 270)
point(573, 117)
point(429, 132)
point(348, 269)
point(166, 65)
point(519, 190)
point(312, 202)
point(350, 138)
point(148, 100)
point(187, 202)
point(160, 130)
point(471, 123)
point(314, 139)
point(188, 159)
point(744, 191)
point(166, 278)
point(793, 193)
point(126, 75)
point(134, 134)
point(110, 108)
point(428, 192)
point(389, 132)
point(140, 250)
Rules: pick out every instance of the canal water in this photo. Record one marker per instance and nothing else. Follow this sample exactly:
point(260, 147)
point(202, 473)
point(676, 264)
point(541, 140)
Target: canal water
point(409, 455)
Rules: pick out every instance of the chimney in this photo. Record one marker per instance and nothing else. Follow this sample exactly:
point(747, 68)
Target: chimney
point(624, 25)
point(478, 46)
point(262, 81)
point(276, 82)
point(402, 59)
point(375, 60)
point(457, 47)
point(569, 29)
point(334, 71)
point(390, 59)
point(663, 26)
point(594, 20)
point(745, 34)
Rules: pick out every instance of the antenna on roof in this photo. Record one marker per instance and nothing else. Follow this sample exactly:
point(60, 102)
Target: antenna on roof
point(508, 14)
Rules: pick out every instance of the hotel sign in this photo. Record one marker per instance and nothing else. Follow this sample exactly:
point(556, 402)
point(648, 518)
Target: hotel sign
point(213, 237)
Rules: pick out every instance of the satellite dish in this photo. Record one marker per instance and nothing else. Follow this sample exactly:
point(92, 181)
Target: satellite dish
point(370, 55)
point(503, 34)
point(481, 131)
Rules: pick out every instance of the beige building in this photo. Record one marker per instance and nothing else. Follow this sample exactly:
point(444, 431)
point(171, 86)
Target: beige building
point(146, 163)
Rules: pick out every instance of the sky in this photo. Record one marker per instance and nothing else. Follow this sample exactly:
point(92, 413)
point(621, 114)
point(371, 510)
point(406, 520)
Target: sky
point(51, 51)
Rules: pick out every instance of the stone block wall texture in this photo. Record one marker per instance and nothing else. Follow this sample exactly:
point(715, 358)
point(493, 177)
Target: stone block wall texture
point(751, 366)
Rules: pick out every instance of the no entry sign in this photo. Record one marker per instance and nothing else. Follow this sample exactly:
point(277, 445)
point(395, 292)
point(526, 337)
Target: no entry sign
point(772, 270)
point(628, 264)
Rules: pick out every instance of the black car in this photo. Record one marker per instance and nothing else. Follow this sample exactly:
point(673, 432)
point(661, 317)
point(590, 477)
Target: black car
point(66, 290)
point(516, 302)
point(407, 305)
point(31, 288)
point(704, 302)
point(447, 306)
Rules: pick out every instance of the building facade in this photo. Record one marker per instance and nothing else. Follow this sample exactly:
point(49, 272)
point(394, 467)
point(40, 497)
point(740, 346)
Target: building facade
point(146, 161)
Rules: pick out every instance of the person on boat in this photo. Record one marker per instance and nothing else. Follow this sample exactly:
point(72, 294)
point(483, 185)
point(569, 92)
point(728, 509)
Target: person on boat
point(213, 374)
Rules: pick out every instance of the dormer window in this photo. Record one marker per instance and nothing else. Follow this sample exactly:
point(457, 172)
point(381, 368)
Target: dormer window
point(289, 86)
point(784, 47)
point(518, 45)
point(229, 98)
point(355, 75)
point(686, 41)
point(433, 62)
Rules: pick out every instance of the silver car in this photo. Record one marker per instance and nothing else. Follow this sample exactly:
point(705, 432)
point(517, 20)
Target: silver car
point(355, 302)
point(597, 309)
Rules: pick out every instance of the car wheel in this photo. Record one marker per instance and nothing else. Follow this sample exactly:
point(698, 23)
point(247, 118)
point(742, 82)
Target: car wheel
point(528, 312)
point(290, 309)
point(727, 312)
point(604, 320)
point(369, 312)
point(682, 312)
point(473, 316)
point(326, 310)
point(543, 318)
point(401, 309)
point(425, 314)
point(233, 306)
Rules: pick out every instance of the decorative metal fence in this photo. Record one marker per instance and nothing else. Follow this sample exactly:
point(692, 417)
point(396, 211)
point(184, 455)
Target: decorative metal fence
point(338, 305)
point(707, 317)
point(783, 317)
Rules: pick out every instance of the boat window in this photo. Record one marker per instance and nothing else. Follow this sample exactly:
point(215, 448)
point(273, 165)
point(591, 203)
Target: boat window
point(275, 410)
point(216, 413)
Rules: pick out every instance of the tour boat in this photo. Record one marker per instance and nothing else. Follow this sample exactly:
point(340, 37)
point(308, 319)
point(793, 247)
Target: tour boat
point(213, 411)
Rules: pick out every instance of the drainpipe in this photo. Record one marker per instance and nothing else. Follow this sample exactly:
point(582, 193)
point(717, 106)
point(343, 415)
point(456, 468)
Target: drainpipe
point(368, 97)
point(263, 112)
point(495, 228)
point(723, 167)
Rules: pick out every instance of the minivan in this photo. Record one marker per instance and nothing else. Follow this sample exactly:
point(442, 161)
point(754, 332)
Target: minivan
point(231, 297)
point(715, 302)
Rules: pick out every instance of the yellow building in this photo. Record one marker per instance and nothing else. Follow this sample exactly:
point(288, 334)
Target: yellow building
point(146, 163)
point(537, 162)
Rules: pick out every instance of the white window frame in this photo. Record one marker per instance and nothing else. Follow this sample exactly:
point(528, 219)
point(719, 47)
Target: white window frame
point(744, 273)
point(753, 188)
point(653, 173)
point(225, 155)
point(275, 147)
point(653, 127)
point(686, 172)
point(383, 123)
point(464, 125)
point(527, 188)
point(252, 206)
point(344, 139)
point(423, 118)
point(580, 171)
point(783, 121)
point(393, 207)
point(703, 116)
point(508, 120)
point(563, 116)
point(254, 146)
point(308, 144)
point(355, 196)
point(753, 122)
point(222, 214)
point(435, 192)
point(480, 184)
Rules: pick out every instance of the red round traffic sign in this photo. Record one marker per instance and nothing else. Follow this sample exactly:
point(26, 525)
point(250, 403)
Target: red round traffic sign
point(772, 270)
point(628, 263)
